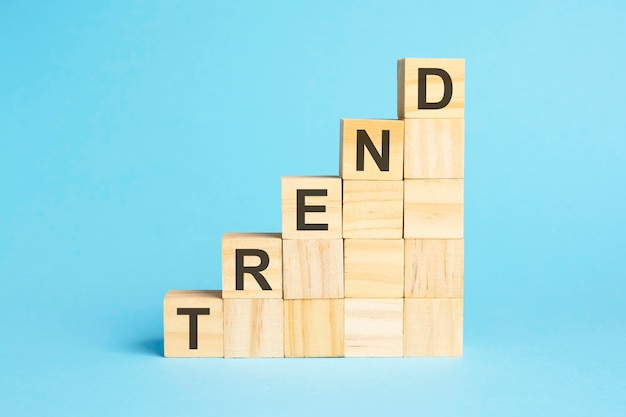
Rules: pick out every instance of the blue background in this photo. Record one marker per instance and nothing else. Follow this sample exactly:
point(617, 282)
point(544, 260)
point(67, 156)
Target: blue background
point(134, 133)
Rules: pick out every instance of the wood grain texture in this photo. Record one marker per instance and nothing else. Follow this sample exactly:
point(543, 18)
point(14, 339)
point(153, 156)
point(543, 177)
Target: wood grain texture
point(374, 268)
point(348, 167)
point(270, 243)
point(433, 148)
point(314, 328)
point(433, 209)
point(330, 216)
point(408, 88)
point(313, 268)
point(210, 327)
point(433, 268)
point(433, 326)
point(374, 327)
point(372, 209)
point(253, 328)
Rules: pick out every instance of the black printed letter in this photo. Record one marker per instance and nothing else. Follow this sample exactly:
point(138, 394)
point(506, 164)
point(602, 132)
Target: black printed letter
point(363, 140)
point(422, 73)
point(254, 270)
point(302, 208)
point(193, 314)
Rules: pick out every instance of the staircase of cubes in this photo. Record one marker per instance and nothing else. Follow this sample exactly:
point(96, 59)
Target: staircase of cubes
point(369, 263)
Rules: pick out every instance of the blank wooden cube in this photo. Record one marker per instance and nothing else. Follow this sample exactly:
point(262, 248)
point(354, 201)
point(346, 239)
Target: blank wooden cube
point(372, 209)
point(433, 327)
point(252, 265)
point(193, 324)
point(433, 268)
point(253, 328)
point(313, 268)
point(433, 209)
point(374, 268)
point(314, 328)
point(433, 148)
point(311, 207)
point(431, 88)
point(374, 327)
point(371, 149)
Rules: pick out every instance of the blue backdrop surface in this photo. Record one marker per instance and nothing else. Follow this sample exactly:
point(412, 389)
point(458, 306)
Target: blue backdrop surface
point(133, 134)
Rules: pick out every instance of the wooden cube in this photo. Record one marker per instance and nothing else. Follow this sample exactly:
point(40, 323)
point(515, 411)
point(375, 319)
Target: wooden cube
point(374, 268)
point(252, 265)
point(433, 268)
point(314, 328)
point(372, 209)
point(374, 327)
point(253, 328)
point(193, 324)
point(313, 268)
point(311, 207)
point(433, 148)
point(433, 327)
point(433, 209)
point(371, 149)
point(431, 88)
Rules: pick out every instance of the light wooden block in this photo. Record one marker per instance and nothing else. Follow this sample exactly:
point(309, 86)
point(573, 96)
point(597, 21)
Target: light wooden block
point(311, 207)
point(410, 88)
point(433, 327)
point(433, 209)
point(313, 268)
point(374, 327)
point(371, 149)
point(372, 209)
point(252, 265)
point(314, 328)
point(253, 328)
point(193, 324)
point(433, 148)
point(374, 268)
point(433, 268)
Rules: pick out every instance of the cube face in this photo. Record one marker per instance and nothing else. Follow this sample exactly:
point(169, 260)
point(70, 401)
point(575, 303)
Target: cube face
point(433, 209)
point(431, 88)
point(433, 268)
point(372, 209)
point(193, 324)
point(311, 207)
point(314, 328)
point(433, 326)
point(433, 148)
point(313, 268)
point(253, 328)
point(374, 268)
point(371, 149)
point(252, 265)
point(374, 327)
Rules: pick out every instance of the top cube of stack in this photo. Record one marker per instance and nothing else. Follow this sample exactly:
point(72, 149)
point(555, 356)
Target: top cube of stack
point(431, 88)
point(371, 149)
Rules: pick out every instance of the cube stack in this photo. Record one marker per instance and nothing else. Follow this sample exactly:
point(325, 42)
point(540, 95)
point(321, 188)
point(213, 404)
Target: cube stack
point(369, 263)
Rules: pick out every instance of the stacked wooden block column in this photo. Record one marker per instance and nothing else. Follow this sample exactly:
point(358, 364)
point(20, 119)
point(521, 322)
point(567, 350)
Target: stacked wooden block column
point(369, 263)
point(433, 204)
point(312, 266)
